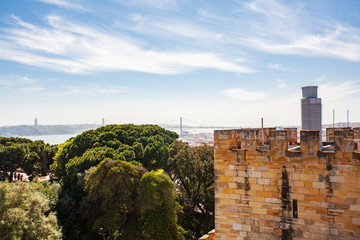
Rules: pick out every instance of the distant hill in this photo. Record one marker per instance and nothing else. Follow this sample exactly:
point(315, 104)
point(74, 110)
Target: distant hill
point(32, 130)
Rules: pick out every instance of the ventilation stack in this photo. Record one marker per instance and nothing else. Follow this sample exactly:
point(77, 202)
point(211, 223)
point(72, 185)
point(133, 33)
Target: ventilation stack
point(311, 109)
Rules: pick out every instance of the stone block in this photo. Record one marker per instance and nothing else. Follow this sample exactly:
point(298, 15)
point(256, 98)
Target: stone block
point(273, 200)
point(263, 181)
point(255, 174)
point(338, 179)
point(264, 194)
point(355, 208)
point(318, 185)
point(356, 221)
point(226, 178)
point(237, 226)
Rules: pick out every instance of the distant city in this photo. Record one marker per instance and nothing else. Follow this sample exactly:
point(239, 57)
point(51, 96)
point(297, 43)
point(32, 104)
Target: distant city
point(194, 135)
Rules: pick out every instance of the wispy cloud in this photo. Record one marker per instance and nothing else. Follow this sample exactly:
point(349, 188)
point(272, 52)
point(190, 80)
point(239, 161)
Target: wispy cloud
point(283, 29)
point(281, 83)
point(90, 89)
point(341, 97)
point(269, 26)
point(20, 83)
point(340, 92)
point(176, 29)
point(160, 4)
point(279, 67)
point(243, 94)
point(320, 79)
point(74, 48)
point(64, 4)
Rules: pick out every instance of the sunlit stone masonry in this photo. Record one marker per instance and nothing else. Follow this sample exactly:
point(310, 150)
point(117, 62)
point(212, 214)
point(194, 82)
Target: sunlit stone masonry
point(268, 186)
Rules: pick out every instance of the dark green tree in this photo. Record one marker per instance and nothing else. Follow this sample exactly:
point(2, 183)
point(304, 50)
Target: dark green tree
point(20, 153)
point(133, 204)
point(12, 157)
point(159, 208)
point(192, 168)
point(145, 145)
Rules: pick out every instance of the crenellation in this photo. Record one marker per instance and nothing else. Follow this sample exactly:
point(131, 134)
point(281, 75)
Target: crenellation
point(344, 141)
point(273, 188)
point(278, 140)
point(310, 141)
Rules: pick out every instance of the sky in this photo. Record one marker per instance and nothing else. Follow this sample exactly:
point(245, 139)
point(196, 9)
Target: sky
point(222, 63)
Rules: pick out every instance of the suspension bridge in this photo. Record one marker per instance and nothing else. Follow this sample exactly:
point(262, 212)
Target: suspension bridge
point(178, 123)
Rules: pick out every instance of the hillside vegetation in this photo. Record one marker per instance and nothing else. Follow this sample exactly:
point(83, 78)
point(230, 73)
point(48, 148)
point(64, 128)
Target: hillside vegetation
point(122, 182)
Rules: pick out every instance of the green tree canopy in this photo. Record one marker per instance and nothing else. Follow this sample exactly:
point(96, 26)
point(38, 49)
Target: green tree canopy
point(149, 144)
point(133, 204)
point(145, 145)
point(192, 168)
point(25, 213)
point(159, 207)
point(32, 157)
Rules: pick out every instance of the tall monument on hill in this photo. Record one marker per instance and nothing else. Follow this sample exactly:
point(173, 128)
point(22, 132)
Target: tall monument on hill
point(36, 121)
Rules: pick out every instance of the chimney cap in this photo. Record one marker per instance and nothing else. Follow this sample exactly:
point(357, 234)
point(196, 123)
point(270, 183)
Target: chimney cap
point(309, 91)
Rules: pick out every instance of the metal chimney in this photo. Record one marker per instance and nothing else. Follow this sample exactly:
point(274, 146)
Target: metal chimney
point(310, 109)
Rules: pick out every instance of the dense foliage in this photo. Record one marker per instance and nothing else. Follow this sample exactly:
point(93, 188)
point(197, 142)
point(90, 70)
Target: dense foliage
point(132, 203)
point(25, 211)
point(192, 168)
point(115, 182)
point(145, 145)
point(34, 157)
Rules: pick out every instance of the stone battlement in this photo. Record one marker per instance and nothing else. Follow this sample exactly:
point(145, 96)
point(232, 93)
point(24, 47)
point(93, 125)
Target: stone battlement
point(271, 187)
point(286, 140)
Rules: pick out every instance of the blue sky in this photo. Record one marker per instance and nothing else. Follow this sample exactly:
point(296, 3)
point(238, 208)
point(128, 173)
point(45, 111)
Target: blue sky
point(225, 63)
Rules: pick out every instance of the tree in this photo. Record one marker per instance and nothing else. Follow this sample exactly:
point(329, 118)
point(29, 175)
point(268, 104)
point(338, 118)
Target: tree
point(150, 139)
point(145, 145)
point(133, 204)
point(12, 157)
point(192, 168)
point(159, 208)
point(32, 157)
point(25, 213)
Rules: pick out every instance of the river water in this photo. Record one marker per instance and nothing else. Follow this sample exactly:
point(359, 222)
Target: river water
point(52, 139)
point(61, 138)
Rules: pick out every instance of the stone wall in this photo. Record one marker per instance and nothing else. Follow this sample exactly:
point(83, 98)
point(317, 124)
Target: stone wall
point(274, 193)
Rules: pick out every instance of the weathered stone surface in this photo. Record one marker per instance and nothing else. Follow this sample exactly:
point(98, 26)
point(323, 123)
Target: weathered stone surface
point(276, 194)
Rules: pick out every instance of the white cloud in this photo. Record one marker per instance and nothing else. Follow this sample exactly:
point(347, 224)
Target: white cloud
point(320, 79)
point(274, 66)
point(160, 4)
point(63, 3)
point(266, 25)
point(74, 48)
point(21, 83)
point(341, 97)
point(243, 94)
point(170, 28)
point(90, 89)
point(281, 83)
point(339, 92)
point(285, 29)
point(280, 67)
